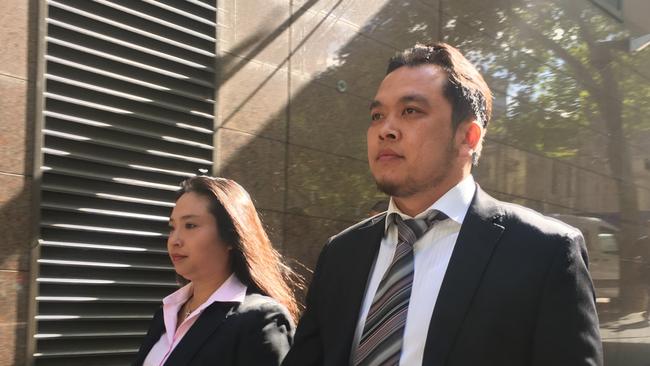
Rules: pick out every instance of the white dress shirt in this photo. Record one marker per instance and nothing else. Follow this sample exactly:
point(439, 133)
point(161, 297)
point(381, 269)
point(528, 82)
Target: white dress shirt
point(432, 253)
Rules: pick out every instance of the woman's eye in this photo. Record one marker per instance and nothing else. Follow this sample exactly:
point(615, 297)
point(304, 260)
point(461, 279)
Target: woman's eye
point(190, 226)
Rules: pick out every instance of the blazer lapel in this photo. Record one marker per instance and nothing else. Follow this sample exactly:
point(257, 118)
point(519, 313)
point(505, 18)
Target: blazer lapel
point(153, 335)
point(361, 248)
point(477, 239)
point(209, 320)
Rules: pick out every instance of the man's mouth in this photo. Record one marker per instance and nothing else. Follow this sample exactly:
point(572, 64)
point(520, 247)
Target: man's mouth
point(388, 155)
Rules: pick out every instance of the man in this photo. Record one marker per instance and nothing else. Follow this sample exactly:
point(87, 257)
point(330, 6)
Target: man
point(470, 280)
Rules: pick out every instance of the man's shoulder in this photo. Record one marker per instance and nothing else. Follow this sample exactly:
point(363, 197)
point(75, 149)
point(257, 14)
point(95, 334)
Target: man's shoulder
point(361, 225)
point(524, 218)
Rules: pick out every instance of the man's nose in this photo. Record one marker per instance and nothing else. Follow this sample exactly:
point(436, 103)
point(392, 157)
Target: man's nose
point(389, 130)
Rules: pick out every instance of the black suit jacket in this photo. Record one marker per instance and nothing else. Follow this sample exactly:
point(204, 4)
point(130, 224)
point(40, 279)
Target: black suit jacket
point(256, 332)
point(516, 292)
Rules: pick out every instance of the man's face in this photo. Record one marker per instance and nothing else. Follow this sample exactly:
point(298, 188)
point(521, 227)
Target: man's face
point(410, 139)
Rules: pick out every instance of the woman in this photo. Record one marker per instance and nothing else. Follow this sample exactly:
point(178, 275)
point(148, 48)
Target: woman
point(237, 306)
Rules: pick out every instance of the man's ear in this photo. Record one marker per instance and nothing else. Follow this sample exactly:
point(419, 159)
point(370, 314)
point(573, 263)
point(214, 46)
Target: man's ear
point(468, 137)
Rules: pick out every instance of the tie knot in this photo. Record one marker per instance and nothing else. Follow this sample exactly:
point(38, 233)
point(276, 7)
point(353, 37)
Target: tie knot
point(411, 230)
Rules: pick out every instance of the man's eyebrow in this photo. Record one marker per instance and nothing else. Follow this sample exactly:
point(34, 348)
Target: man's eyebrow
point(417, 98)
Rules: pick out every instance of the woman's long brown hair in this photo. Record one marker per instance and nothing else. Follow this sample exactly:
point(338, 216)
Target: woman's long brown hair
point(252, 258)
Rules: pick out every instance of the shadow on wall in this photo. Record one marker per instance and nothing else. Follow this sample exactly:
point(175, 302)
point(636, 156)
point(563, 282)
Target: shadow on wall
point(306, 164)
point(18, 218)
point(559, 102)
point(313, 176)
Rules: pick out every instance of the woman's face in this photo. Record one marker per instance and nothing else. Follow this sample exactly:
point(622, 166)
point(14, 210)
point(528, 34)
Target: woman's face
point(194, 245)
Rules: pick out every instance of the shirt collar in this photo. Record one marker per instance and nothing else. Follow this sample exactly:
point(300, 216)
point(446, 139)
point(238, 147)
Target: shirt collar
point(230, 291)
point(454, 203)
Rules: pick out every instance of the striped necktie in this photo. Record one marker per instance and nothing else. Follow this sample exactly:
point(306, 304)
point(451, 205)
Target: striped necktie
point(381, 340)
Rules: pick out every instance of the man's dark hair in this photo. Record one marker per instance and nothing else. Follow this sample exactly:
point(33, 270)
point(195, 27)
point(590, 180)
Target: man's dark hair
point(466, 90)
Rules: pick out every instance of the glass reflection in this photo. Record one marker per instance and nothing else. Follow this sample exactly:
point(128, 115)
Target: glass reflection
point(570, 134)
point(572, 140)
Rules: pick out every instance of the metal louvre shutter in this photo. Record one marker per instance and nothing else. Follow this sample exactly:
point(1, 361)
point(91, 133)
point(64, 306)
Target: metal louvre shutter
point(128, 115)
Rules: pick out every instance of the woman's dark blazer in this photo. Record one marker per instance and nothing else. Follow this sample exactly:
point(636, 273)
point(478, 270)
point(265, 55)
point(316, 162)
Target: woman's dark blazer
point(257, 332)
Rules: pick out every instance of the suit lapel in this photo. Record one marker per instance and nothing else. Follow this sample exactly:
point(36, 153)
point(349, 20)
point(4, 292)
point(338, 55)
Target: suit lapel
point(476, 241)
point(153, 335)
point(361, 248)
point(209, 320)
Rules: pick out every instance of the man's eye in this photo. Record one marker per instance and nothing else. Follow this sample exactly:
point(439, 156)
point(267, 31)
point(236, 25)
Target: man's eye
point(190, 226)
point(375, 116)
point(410, 110)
